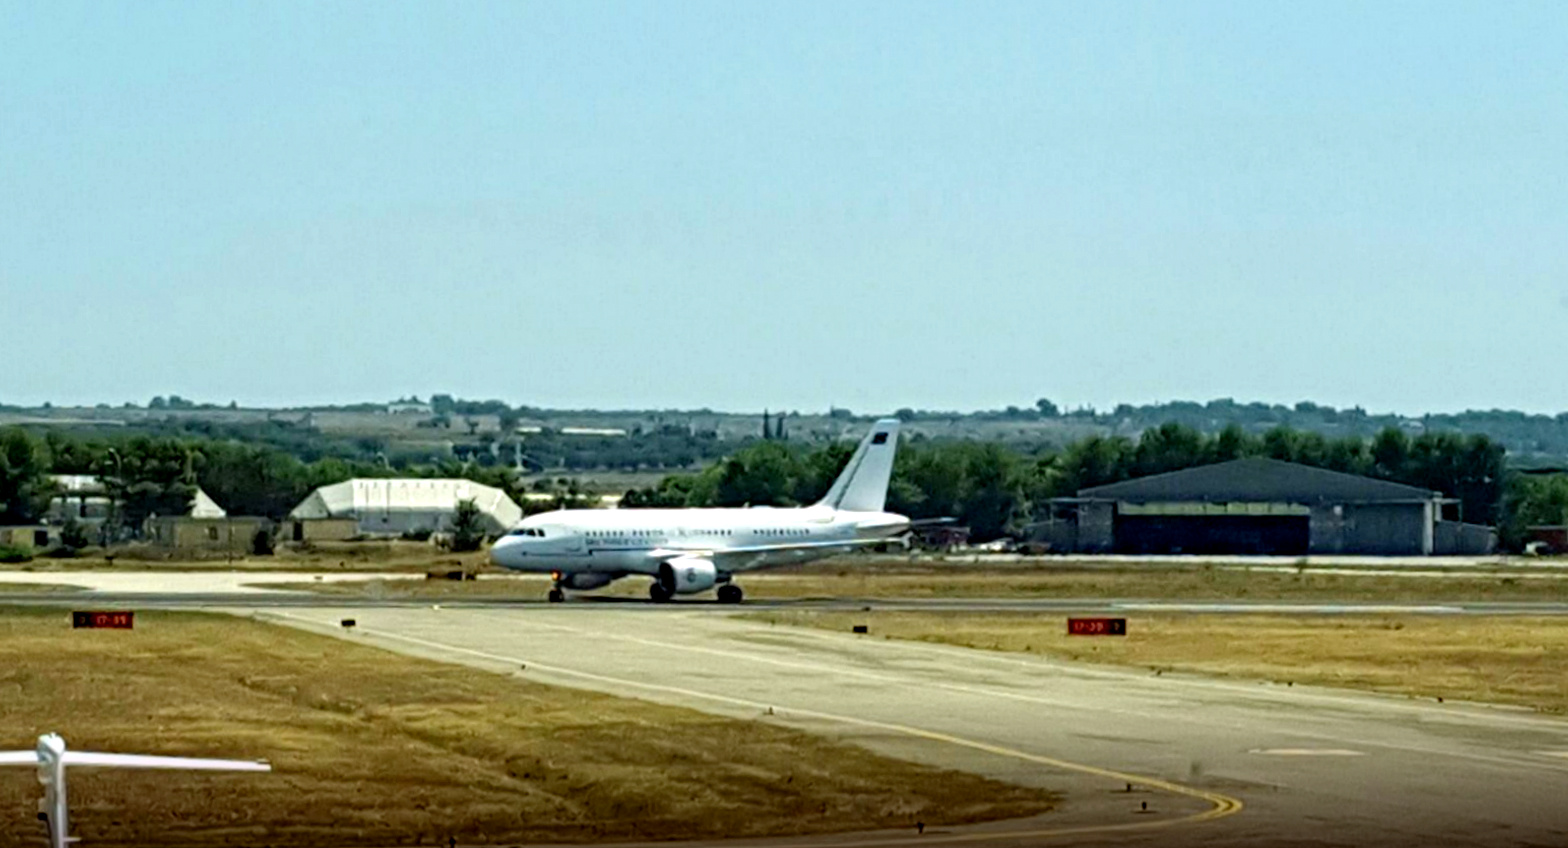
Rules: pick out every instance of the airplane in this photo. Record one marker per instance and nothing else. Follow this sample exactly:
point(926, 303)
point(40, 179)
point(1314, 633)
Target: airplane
point(51, 759)
point(687, 551)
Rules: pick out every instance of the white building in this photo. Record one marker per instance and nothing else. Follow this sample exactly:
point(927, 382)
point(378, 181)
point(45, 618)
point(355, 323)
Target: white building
point(85, 499)
point(391, 507)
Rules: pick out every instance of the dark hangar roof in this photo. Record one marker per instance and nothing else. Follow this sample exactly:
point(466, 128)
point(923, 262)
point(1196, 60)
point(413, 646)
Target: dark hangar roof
point(1256, 480)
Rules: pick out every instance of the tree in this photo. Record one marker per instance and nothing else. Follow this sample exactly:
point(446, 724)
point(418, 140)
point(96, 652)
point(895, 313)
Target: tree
point(1232, 443)
point(1095, 461)
point(1390, 451)
point(468, 531)
point(760, 475)
point(73, 535)
point(1532, 501)
point(992, 490)
point(1047, 408)
point(25, 488)
point(1169, 447)
point(152, 477)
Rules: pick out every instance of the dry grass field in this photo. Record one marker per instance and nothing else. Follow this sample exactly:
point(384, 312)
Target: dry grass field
point(1498, 659)
point(373, 748)
point(40, 588)
point(378, 556)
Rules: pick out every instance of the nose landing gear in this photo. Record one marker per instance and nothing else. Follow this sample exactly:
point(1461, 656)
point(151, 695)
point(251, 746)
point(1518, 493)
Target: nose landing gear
point(557, 594)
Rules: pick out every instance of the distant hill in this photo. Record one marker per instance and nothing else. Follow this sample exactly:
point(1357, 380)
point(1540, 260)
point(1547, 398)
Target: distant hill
point(445, 426)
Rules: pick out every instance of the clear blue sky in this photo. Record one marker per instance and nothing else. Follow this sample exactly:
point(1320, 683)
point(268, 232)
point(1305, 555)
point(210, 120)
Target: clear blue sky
point(788, 205)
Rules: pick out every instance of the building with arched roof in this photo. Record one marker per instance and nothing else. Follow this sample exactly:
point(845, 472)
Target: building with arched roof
point(394, 506)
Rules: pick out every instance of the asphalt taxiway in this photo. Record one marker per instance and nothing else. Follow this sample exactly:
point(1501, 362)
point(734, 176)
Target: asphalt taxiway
point(267, 590)
point(1217, 763)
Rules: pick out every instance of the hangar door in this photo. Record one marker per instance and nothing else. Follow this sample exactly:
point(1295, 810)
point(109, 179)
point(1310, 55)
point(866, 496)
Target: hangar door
point(1184, 528)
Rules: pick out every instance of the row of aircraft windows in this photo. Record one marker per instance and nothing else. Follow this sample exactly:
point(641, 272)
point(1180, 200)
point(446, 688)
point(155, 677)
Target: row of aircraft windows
point(780, 531)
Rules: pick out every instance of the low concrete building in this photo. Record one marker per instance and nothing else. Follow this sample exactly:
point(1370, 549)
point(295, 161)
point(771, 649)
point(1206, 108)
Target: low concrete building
point(1260, 506)
point(190, 533)
point(35, 537)
point(321, 529)
point(392, 507)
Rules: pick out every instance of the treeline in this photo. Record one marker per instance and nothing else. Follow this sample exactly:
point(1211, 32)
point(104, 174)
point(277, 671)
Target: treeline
point(1525, 434)
point(997, 490)
point(146, 475)
point(993, 488)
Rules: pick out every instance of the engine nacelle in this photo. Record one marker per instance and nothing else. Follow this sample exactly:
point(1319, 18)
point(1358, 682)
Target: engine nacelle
point(586, 580)
point(685, 575)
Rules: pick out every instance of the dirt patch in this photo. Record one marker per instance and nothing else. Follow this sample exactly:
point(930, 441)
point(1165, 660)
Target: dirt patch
point(374, 748)
point(1498, 659)
point(37, 588)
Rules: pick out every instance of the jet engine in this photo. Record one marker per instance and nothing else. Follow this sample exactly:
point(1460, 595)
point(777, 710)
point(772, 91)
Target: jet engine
point(685, 575)
point(586, 580)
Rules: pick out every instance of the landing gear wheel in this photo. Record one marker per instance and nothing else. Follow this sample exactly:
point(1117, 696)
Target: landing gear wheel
point(556, 595)
point(729, 593)
point(658, 593)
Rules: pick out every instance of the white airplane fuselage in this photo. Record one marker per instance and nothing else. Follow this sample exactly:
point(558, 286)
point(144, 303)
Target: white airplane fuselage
point(687, 551)
point(633, 541)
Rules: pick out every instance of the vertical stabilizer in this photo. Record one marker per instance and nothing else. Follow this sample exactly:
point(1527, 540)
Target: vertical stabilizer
point(862, 486)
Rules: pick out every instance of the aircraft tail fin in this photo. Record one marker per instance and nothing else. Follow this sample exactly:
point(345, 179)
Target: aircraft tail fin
point(862, 486)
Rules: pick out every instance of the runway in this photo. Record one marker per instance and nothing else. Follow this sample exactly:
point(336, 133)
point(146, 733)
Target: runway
point(1219, 763)
point(241, 589)
point(633, 606)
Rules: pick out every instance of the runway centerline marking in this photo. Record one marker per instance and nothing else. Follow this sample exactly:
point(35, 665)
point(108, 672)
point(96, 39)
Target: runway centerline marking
point(1220, 805)
point(1307, 752)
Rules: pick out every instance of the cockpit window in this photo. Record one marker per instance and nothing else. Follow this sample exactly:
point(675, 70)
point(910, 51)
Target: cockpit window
point(527, 531)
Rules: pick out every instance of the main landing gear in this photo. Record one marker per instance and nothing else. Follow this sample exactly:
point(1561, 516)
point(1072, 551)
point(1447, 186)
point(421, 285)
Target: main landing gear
point(729, 593)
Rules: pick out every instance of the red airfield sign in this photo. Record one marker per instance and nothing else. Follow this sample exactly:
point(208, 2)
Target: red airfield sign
point(103, 620)
point(1096, 627)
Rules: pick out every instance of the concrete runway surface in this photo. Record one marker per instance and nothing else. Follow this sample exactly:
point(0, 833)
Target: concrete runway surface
point(1218, 763)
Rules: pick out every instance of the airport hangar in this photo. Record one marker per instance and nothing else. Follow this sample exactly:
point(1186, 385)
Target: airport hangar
point(393, 506)
point(1261, 506)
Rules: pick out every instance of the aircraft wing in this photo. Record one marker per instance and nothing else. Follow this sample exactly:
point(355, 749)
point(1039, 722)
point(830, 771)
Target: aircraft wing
point(18, 758)
point(932, 522)
point(740, 559)
point(89, 758)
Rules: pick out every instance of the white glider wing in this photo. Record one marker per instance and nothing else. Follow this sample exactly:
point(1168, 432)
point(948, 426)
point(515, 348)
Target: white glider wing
point(90, 758)
point(18, 758)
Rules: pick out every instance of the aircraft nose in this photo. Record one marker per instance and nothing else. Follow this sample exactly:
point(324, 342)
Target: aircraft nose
point(501, 552)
